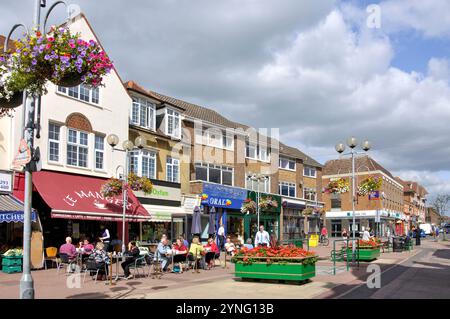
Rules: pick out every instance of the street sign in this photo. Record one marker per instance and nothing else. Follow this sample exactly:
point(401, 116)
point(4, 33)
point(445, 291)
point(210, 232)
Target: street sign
point(375, 195)
point(23, 156)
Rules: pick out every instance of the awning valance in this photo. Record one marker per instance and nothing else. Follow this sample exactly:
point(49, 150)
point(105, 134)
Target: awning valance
point(11, 210)
point(78, 197)
point(163, 213)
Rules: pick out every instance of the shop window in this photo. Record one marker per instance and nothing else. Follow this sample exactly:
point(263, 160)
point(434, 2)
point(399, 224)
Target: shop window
point(336, 228)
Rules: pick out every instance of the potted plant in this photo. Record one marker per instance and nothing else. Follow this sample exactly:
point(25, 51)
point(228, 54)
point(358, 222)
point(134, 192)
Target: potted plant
point(338, 186)
point(369, 185)
point(282, 262)
point(268, 202)
point(114, 186)
point(248, 206)
point(11, 93)
point(366, 250)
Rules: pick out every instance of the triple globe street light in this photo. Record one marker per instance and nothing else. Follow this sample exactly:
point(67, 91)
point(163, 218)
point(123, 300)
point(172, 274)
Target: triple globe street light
point(139, 143)
point(352, 142)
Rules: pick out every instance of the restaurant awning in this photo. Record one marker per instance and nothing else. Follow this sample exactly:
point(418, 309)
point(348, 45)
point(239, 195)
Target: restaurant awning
point(11, 210)
point(163, 213)
point(78, 197)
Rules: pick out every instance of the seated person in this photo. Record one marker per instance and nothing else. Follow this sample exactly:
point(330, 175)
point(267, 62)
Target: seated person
point(162, 253)
point(180, 252)
point(196, 251)
point(212, 252)
point(230, 247)
point(185, 242)
point(101, 258)
point(132, 254)
point(86, 247)
point(68, 248)
point(249, 244)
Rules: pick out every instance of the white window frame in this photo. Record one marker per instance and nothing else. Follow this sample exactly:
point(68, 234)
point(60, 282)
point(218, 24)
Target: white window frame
point(222, 169)
point(174, 134)
point(288, 160)
point(249, 145)
point(140, 156)
point(78, 145)
point(97, 150)
point(289, 185)
point(151, 113)
point(172, 162)
point(203, 136)
point(258, 152)
point(58, 142)
point(65, 91)
point(248, 180)
point(310, 167)
point(308, 189)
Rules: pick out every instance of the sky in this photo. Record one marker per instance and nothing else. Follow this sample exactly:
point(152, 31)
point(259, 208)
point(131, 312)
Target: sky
point(321, 71)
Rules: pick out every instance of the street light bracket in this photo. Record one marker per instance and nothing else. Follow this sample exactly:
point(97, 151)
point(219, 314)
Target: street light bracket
point(5, 46)
point(51, 9)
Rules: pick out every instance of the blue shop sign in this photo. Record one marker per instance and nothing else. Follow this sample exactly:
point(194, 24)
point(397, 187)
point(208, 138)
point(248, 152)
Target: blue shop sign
point(223, 196)
point(15, 217)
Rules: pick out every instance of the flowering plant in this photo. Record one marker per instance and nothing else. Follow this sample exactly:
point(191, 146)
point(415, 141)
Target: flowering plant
point(280, 254)
point(248, 206)
point(268, 202)
point(339, 186)
point(115, 186)
point(369, 185)
point(372, 243)
point(307, 211)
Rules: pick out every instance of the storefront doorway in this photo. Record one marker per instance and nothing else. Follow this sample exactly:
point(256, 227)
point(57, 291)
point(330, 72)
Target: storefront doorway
point(336, 228)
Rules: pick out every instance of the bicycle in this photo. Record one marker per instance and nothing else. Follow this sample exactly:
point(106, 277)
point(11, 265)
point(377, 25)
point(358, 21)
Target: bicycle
point(324, 241)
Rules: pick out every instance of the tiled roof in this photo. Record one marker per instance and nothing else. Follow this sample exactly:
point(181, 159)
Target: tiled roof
point(296, 153)
point(362, 164)
point(412, 187)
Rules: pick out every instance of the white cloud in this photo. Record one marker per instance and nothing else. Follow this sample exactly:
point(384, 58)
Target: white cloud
point(439, 69)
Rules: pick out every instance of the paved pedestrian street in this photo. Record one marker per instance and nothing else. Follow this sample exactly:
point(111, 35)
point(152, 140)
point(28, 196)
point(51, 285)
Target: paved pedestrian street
point(421, 273)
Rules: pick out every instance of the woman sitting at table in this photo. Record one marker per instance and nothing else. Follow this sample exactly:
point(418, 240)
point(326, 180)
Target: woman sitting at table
point(131, 255)
point(196, 251)
point(179, 253)
point(212, 252)
point(230, 247)
point(101, 258)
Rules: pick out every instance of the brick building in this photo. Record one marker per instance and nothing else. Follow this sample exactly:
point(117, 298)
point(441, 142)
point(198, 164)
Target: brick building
point(414, 200)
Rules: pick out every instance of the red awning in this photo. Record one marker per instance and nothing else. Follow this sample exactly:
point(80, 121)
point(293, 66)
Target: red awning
point(78, 197)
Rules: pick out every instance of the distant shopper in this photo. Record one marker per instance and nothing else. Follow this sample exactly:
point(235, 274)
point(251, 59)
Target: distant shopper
point(249, 244)
point(221, 236)
point(418, 231)
point(324, 232)
point(262, 237)
point(436, 233)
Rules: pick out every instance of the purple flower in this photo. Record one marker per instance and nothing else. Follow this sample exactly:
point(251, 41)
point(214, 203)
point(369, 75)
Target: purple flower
point(25, 53)
point(47, 57)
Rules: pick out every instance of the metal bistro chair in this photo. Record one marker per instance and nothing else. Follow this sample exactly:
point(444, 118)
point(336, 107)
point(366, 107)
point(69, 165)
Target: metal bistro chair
point(91, 266)
point(64, 260)
point(157, 267)
point(51, 255)
point(139, 263)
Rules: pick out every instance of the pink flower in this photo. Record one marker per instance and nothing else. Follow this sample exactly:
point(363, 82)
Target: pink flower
point(72, 45)
point(51, 39)
point(48, 46)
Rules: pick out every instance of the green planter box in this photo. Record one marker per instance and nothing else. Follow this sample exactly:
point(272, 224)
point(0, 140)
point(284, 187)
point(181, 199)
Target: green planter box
point(364, 254)
point(290, 271)
point(12, 269)
point(11, 260)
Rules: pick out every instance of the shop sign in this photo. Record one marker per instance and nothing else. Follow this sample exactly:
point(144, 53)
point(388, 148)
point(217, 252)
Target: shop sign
point(374, 195)
point(6, 182)
point(23, 155)
point(190, 203)
point(162, 192)
point(223, 196)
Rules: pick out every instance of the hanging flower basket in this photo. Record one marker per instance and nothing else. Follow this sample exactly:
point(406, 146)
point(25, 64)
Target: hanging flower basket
point(339, 186)
point(114, 186)
point(307, 211)
point(70, 79)
point(249, 206)
point(137, 183)
point(267, 203)
point(370, 184)
point(14, 101)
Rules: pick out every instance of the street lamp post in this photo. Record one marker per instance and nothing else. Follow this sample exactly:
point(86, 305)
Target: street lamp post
point(352, 142)
point(128, 146)
point(258, 178)
point(29, 112)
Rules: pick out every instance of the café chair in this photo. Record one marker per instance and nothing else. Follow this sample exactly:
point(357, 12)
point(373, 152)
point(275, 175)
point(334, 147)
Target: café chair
point(51, 255)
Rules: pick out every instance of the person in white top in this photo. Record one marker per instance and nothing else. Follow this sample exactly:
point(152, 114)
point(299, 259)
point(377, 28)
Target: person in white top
point(262, 237)
point(366, 235)
point(221, 235)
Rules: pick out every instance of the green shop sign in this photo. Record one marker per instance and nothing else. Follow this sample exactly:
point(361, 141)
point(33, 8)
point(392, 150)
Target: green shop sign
point(273, 201)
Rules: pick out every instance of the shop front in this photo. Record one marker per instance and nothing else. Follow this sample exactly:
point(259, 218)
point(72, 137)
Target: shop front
point(381, 222)
point(293, 221)
point(269, 215)
point(164, 202)
point(72, 205)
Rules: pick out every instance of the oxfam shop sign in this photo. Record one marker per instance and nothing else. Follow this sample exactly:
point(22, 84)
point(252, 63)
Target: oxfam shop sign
point(163, 192)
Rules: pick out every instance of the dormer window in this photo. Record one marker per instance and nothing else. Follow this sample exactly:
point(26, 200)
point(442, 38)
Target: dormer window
point(143, 113)
point(173, 127)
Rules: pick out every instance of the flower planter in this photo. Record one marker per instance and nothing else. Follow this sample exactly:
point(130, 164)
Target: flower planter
point(364, 254)
point(70, 80)
point(277, 271)
point(15, 101)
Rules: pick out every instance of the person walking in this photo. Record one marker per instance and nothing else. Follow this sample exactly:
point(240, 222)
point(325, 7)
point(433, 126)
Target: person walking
point(221, 236)
point(262, 238)
point(323, 232)
point(418, 236)
point(436, 233)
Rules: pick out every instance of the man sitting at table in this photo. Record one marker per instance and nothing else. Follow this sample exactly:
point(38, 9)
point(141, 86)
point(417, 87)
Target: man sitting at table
point(212, 252)
point(131, 255)
point(68, 248)
point(196, 251)
point(179, 253)
point(163, 253)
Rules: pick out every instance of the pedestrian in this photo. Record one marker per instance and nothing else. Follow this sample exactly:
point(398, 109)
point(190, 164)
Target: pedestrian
point(418, 236)
point(221, 236)
point(323, 233)
point(262, 237)
point(436, 233)
point(344, 234)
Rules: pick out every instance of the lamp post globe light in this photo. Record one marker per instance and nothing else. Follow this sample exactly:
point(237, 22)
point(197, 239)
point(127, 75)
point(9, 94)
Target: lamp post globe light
point(128, 146)
point(352, 142)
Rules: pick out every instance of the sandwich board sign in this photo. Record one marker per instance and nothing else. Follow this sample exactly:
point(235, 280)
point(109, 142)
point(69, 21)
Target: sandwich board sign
point(23, 156)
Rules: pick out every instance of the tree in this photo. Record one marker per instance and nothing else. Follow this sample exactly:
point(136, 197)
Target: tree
point(441, 205)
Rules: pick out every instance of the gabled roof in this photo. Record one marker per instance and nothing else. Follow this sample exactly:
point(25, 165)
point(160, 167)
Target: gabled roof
point(412, 187)
point(362, 164)
point(296, 153)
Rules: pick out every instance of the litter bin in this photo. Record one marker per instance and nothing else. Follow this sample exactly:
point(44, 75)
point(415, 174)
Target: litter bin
point(397, 245)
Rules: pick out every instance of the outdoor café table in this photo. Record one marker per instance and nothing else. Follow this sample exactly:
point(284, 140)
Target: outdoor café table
point(118, 259)
point(175, 253)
